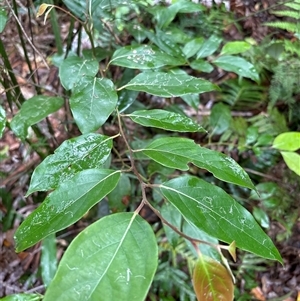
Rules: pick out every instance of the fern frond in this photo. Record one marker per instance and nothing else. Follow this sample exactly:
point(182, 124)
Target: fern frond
point(287, 13)
point(292, 27)
point(295, 6)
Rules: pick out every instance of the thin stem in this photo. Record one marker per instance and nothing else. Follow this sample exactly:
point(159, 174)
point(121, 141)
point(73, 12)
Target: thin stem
point(25, 34)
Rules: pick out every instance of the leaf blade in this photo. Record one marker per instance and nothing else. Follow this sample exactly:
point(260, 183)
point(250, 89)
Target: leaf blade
point(92, 103)
point(121, 251)
point(165, 120)
point(237, 65)
point(168, 84)
point(215, 212)
point(176, 153)
point(212, 281)
point(32, 111)
point(142, 57)
point(66, 205)
point(70, 158)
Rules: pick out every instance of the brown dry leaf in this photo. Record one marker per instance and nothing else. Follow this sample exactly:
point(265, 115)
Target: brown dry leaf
point(258, 293)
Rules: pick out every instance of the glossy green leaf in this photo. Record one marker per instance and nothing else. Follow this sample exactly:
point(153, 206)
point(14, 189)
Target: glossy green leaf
point(48, 263)
point(3, 18)
point(168, 84)
point(66, 205)
point(237, 65)
point(212, 210)
point(32, 111)
point(201, 65)
point(165, 120)
point(209, 47)
point(289, 141)
point(113, 259)
point(23, 297)
point(235, 47)
point(220, 118)
point(74, 68)
point(192, 47)
point(142, 57)
point(211, 280)
point(92, 103)
point(166, 43)
point(178, 152)
point(166, 15)
point(72, 156)
point(2, 121)
point(292, 160)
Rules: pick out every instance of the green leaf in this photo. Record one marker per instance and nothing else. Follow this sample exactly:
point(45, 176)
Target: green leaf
point(48, 259)
point(32, 111)
point(165, 42)
point(192, 100)
point(235, 47)
point(176, 153)
point(173, 216)
point(2, 121)
point(209, 47)
point(292, 160)
point(168, 84)
point(119, 198)
point(212, 210)
point(262, 217)
point(194, 232)
point(72, 156)
point(3, 18)
point(211, 280)
point(237, 65)
point(192, 47)
point(23, 297)
point(92, 103)
point(289, 141)
point(142, 57)
point(201, 65)
point(74, 68)
point(166, 15)
point(165, 120)
point(113, 259)
point(66, 205)
point(220, 118)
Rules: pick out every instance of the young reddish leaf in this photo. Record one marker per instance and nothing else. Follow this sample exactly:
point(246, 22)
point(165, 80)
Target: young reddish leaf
point(211, 280)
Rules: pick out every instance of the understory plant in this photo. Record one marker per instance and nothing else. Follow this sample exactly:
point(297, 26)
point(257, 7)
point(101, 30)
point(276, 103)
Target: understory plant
point(116, 257)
